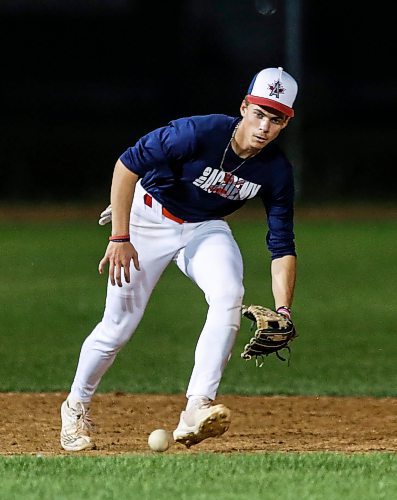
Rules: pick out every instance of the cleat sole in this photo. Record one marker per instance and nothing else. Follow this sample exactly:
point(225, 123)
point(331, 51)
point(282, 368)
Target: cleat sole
point(214, 425)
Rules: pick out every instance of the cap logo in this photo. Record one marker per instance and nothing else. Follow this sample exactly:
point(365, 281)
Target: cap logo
point(276, 89)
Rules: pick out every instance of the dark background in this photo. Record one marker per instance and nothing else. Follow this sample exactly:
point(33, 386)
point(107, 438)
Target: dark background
point(81, 81)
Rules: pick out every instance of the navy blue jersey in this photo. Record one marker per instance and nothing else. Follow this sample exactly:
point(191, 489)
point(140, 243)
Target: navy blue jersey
point(181, 167)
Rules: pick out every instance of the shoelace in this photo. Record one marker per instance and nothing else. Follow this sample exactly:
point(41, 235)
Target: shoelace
point(200, 404)
point(83, 418)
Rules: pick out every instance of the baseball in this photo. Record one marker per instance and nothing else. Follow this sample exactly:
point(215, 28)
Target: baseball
point(159, 440)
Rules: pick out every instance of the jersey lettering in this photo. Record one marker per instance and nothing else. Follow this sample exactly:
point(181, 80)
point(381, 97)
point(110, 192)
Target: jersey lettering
point(225, 184)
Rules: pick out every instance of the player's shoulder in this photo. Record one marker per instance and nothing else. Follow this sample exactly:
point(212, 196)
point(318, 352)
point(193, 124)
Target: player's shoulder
point(274, 152)
point(204, 123)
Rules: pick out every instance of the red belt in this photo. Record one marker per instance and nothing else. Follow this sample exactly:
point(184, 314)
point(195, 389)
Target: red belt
point(147, 199)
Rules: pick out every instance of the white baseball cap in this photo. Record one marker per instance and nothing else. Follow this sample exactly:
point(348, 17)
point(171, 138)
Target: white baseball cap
point(275, 88)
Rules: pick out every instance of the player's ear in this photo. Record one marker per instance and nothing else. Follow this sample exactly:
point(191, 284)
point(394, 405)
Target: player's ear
point(243, 107)
point(285, 123)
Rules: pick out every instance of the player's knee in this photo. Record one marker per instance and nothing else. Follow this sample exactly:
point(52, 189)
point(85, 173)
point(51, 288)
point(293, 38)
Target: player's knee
point(112, 335)
point(228, 296)
point(110, 342)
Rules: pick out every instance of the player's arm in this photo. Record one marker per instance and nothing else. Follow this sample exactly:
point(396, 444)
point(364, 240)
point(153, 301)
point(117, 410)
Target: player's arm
point(120, 253)
point(163, 146)
point(280, 237)
point(283, 272)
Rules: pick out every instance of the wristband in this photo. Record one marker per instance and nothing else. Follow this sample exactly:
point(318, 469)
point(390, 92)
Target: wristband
point(124, 238)
point(284, 310)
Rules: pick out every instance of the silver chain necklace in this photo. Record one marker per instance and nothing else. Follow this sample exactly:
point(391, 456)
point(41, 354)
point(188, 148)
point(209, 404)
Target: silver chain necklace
point(226, 150)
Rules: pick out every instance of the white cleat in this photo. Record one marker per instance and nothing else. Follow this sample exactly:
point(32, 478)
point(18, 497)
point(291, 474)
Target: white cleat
point(198, 424)
point(76, 425)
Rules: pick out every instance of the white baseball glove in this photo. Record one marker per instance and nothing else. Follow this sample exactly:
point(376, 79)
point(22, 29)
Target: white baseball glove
point(106, 216)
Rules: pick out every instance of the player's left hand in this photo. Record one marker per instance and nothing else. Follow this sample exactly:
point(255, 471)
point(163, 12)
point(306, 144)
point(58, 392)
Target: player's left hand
point(119, 256)
point(273, 332)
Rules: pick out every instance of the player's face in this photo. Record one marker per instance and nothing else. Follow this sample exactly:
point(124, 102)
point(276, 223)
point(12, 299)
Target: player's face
point(260, 125)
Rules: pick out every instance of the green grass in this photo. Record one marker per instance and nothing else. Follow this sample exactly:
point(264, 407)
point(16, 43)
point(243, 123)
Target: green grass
point(51, 297)
point(270, 476)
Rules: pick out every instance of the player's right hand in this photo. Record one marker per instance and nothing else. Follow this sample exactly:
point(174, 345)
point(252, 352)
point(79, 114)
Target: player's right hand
point(119, 256)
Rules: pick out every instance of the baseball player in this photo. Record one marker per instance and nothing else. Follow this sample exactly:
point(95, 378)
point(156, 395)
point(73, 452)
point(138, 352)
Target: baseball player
point(170, 195)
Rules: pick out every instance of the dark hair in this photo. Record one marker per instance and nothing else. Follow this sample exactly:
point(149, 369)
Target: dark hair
point(274, 110)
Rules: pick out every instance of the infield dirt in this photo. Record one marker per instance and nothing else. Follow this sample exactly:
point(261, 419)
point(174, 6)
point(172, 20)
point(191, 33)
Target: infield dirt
point(31, 424)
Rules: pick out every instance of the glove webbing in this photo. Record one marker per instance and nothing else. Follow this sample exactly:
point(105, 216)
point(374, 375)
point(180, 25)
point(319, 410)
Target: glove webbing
point(258, 363)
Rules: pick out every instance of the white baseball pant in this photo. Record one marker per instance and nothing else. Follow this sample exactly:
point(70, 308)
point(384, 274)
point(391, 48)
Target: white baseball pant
point(207, 253)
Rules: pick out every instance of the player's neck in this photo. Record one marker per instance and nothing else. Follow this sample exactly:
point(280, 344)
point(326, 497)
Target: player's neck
point(240, 144)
